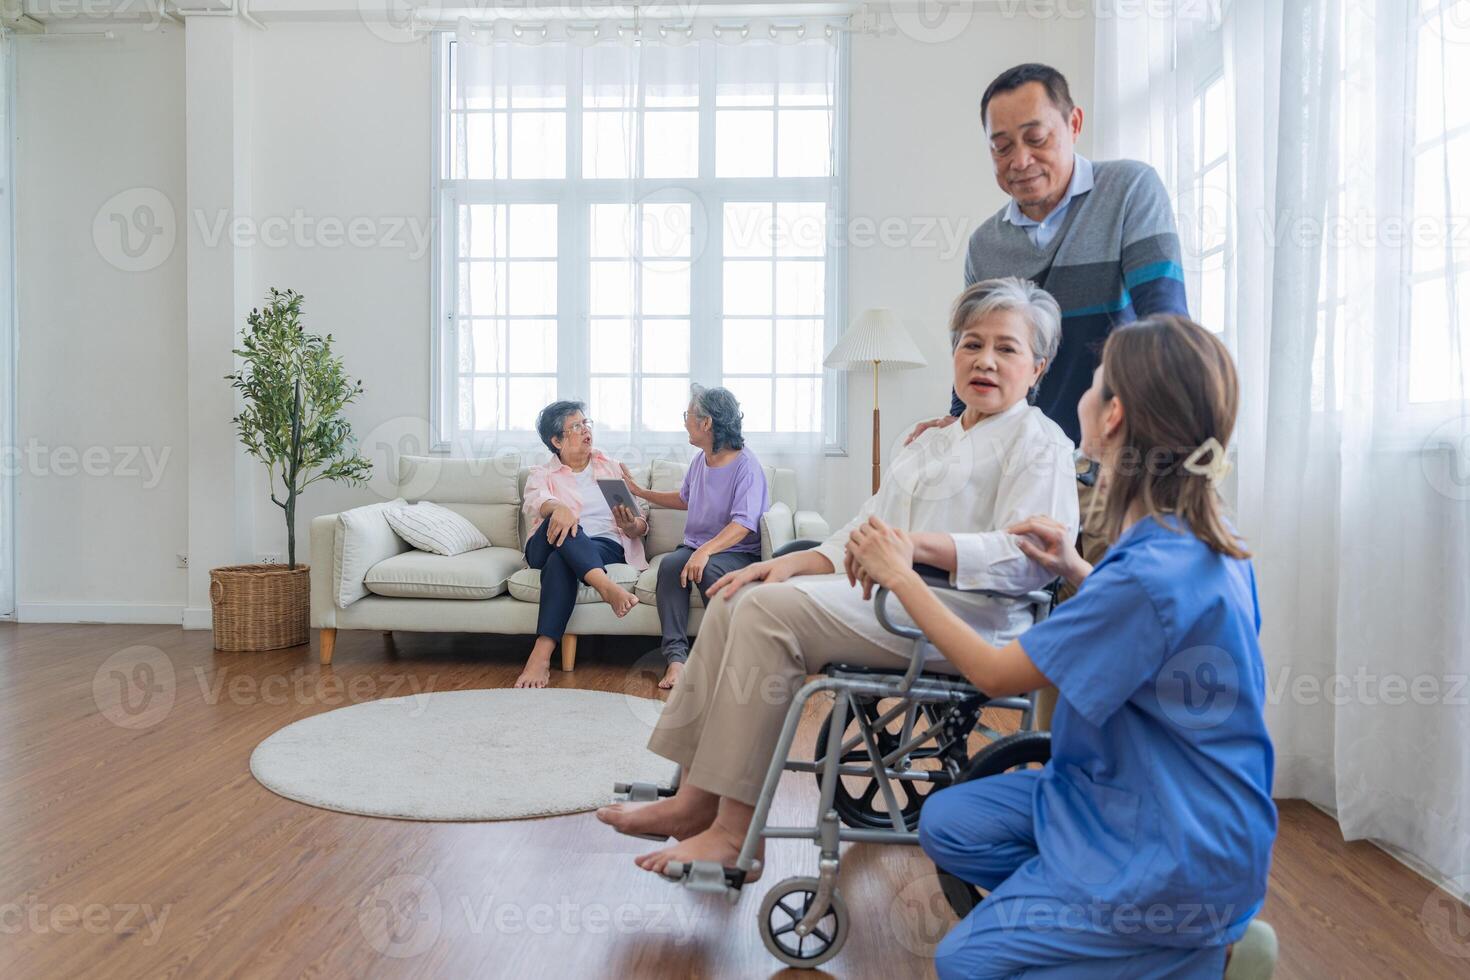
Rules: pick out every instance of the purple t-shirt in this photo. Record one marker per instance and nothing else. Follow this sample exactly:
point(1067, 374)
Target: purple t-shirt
point(718, 495)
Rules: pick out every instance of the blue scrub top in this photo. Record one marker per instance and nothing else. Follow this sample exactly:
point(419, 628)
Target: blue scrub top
point(1155, 811)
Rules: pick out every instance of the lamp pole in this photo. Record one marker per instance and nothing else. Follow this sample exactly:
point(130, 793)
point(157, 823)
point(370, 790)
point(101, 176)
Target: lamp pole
point(877, 470)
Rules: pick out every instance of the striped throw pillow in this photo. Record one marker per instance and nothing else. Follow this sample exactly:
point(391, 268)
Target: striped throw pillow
point(429, 527)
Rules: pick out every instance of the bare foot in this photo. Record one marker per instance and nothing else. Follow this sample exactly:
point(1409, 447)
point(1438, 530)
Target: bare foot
point(671, 676)
point(536, 673)
point(667, 816)
point(717, 844)
point(619, 598)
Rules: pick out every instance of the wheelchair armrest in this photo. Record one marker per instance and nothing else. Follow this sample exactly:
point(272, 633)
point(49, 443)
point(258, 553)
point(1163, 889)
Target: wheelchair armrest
point(791, 547)
point(937, 578)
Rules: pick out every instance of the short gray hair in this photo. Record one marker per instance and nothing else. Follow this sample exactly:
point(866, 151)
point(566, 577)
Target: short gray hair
point(723, 410)
point(552, 421)
point(1034, 305)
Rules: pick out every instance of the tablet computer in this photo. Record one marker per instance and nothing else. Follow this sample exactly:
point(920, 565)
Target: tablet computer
point(617, 494)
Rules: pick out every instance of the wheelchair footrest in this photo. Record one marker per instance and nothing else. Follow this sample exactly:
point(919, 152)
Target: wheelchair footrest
point(707, 876)
point(642, 792)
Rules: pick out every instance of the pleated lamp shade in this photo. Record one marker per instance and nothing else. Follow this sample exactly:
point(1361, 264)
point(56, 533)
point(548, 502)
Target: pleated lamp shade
point(875, 335)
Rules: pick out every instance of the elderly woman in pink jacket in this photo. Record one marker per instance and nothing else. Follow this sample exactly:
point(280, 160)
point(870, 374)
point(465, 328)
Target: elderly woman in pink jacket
point(574, 534)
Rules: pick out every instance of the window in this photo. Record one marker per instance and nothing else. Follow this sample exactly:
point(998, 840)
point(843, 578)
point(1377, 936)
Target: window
point(1439, 266)
point(1207, 231)
point(618, 220)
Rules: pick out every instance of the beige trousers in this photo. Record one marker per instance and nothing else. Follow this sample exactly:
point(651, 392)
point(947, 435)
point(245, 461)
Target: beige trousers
point(752, 654)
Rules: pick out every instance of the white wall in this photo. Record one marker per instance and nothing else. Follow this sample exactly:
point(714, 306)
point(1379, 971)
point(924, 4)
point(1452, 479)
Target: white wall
point(102, 353)
point(342, 133)
point(340, 130)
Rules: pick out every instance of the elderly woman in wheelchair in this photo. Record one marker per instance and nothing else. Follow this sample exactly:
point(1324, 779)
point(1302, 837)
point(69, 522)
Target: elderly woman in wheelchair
point(775, 622)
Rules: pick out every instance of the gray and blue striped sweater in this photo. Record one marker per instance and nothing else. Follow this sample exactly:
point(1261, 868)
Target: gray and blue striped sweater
point(1115, 259)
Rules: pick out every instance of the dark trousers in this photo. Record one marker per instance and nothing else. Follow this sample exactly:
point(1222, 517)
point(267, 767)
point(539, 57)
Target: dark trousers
point(563, 569)
point(673, 598)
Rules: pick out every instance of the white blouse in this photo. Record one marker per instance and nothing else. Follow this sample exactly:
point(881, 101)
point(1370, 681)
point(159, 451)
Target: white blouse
point(971, 485)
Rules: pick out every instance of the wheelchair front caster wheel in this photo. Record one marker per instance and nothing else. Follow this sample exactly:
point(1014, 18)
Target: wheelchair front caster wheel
point(787, 904)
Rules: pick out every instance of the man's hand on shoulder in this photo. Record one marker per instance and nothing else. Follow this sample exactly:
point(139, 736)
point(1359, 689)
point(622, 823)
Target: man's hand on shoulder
point(925, 426)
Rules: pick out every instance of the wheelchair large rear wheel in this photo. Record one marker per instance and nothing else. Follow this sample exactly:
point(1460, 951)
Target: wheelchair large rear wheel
point(859, 800)
point(1022, 750)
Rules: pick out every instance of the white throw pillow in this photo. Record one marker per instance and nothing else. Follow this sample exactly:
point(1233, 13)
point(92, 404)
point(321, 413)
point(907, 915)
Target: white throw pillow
point(429, 527)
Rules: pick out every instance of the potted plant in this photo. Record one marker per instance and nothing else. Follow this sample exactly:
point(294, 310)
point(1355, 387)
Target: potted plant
point(294, 390)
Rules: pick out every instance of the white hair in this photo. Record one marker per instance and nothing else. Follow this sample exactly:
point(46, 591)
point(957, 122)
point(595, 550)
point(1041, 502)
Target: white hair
point(1034, 305)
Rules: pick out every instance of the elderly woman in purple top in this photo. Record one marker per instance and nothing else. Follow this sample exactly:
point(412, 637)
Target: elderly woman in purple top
point(725, 494)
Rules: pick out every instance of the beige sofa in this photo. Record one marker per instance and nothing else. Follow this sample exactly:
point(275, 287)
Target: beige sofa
point(365, 577)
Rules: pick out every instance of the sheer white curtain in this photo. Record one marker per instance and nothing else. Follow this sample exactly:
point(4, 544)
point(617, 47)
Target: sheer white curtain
point(7, 339)
point(1346, 274)
point(632, 208)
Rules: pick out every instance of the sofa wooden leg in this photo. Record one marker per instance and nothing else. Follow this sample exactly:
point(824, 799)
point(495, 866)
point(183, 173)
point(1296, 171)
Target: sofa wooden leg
point(329, 643)
point(568, 652)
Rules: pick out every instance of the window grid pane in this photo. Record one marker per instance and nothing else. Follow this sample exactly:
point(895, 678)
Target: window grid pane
point(643, 327)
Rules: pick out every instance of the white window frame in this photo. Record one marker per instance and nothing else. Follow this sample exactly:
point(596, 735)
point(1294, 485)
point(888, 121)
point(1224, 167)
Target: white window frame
point(573, 195)
point(1418, 415)
point(1204, 54)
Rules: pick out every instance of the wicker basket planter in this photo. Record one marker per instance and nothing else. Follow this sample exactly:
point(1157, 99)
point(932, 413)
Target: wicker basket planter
point(260, 607)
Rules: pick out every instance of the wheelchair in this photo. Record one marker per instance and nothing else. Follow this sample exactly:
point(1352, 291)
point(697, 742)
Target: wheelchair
point(891, 738)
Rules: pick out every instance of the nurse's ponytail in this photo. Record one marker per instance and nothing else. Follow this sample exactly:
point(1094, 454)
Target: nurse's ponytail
point(1179, 392)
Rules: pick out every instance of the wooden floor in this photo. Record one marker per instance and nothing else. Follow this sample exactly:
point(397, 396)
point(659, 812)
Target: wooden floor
point(136, 843)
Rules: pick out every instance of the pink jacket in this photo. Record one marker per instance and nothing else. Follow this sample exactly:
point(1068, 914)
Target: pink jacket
point(554, 479)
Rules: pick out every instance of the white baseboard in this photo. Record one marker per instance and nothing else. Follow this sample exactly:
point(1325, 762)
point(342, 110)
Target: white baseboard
point(164, 614)
point(198, 618)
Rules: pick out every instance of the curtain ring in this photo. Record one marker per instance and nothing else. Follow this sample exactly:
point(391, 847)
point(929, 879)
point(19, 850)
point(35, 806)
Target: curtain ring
point(798, 31)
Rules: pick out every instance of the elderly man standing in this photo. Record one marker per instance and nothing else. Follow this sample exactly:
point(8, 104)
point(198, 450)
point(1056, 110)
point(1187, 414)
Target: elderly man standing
point(1098, 236)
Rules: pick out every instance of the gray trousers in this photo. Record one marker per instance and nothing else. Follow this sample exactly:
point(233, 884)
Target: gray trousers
point(673, 598)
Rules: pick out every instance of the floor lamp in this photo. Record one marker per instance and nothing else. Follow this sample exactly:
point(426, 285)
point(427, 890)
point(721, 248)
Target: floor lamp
point(878, 341)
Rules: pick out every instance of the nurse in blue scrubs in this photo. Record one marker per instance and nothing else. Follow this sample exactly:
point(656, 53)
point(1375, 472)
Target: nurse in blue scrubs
point(1142, 848)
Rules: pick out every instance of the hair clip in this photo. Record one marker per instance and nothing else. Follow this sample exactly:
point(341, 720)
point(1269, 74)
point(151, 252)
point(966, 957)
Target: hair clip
point(1216, 469)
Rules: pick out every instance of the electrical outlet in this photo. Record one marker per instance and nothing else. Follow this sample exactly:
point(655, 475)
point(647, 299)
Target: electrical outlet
point(271, 558)
point(183, 560)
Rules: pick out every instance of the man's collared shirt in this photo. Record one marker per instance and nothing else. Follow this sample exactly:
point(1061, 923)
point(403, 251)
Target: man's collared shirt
point(1042, 232)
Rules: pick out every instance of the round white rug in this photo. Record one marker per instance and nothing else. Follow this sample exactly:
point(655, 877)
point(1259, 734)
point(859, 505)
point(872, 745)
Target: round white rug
point(466, 755)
